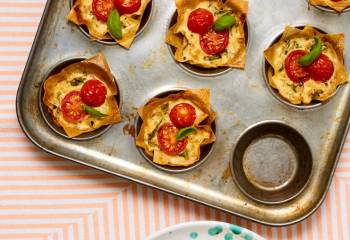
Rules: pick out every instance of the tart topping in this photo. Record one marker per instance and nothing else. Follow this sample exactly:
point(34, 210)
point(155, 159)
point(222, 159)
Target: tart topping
point(183, 115)
point(93, 112)
point(71, 107)
point(321, 69)
point(166, 137)
point(115, 25)
point(200, 20)
point(213, 42)
point(301, 66)
point(313, 54)
point(184, 132)
point(294, 70)
point(93, 93)
point(224, 22)
point(102, 8)
point(127, 6)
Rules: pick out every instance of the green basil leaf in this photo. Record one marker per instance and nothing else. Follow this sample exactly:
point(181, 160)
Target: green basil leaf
point(313, 54)
point(184, 132)
point(224, 22)
point(93, 112)
point(115, 25)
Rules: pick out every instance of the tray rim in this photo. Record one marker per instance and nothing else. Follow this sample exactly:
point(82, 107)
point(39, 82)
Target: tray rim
point(45, 149)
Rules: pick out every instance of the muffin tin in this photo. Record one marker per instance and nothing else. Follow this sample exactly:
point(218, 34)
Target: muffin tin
point(249, 119)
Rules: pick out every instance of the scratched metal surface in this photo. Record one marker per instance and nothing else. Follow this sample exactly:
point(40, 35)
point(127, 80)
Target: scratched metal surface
point(239, 97)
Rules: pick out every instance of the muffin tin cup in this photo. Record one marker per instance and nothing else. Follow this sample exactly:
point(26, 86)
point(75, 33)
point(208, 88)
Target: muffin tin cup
point(48, 117)
point(200, 71)
point(274, 92)
point(146, 18)
point(271, 162)
point(205, 150)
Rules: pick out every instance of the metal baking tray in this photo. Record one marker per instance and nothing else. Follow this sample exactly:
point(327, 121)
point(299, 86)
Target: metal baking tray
point(241, 99)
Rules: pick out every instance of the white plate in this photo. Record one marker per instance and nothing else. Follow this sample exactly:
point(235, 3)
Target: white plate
point(205, 230)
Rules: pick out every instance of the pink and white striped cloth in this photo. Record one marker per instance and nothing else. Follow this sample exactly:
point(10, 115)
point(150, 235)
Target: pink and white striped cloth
point(44, 197)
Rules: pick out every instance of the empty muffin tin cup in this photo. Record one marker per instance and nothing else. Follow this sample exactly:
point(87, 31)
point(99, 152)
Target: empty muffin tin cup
point(48, 117)
point(271, 162)
point(196, 70)
point(268, 71)
point(147, 15)
point(205, 150)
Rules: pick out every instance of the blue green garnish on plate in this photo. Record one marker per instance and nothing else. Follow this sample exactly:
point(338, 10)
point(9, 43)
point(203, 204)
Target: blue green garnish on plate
point(215, 230)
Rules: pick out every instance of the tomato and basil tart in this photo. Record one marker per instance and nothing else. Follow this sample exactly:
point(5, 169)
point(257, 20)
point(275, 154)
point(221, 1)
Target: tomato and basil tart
point(81, 98)
point(175, 128)
point(210, 33)
point(306, 65)
point(337, 5)
point(109, 19)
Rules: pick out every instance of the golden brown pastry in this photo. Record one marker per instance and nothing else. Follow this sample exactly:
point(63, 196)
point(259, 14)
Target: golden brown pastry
point(94, 15)
point(176, 127)
point(203, 36)
point(319, 78)
point(81, 98)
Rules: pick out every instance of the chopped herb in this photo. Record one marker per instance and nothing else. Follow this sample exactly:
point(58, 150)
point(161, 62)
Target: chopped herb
point(223, 12)
point(281, 68)
point(76, 81)
point(294, 87)
point(288, 43)
point(165, 107)
point(317, 93)
point(214, 57)
point(184, 154)
point(59, 93)
point(155, 130)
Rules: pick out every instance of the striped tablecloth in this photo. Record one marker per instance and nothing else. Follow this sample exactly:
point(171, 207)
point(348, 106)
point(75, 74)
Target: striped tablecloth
point(44, 197)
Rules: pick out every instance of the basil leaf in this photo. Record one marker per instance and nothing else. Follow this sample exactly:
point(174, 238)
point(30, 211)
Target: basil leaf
point(115, 25)
point(93, 112)
point(184, 132)
point(313, 54)
point(224, 22)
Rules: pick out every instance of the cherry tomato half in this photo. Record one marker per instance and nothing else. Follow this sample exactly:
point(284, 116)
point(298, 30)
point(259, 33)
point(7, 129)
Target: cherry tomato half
point(93, 93)
point(213, 42)
point(127, 6)
point(321, 69)
point(72, 108)
point(167, 140)
point(200, 20)
point(102, 8)
point(183, 115)
point(294, 70)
